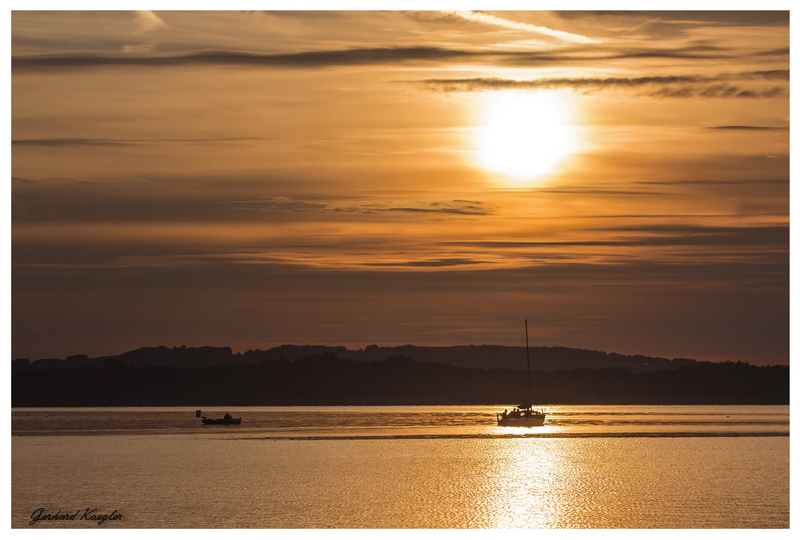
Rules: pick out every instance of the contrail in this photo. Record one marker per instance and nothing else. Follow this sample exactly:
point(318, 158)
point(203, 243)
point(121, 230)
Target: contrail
point(497, 21)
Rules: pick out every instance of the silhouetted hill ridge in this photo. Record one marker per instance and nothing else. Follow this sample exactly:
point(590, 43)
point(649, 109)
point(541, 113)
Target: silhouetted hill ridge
point(472, 356)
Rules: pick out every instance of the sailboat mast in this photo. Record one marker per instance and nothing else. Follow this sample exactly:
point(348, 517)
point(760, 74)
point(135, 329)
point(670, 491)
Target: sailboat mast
point(528, 361)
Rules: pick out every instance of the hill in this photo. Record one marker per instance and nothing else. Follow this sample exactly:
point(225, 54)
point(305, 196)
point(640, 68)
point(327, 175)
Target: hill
point(469, 356)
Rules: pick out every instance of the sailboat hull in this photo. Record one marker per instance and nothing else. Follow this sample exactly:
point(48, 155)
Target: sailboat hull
point(521, 421)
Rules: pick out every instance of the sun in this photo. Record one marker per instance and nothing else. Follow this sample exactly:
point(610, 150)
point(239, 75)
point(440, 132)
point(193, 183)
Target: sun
point(525, 135)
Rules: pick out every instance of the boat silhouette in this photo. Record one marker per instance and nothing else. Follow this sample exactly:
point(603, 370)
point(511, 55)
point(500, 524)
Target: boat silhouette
point(227, 420)
point(523, 415)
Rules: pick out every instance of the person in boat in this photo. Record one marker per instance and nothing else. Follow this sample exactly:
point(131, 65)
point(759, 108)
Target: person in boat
point(227, 416)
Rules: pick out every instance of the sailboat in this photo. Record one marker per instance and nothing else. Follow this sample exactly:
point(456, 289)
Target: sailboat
point(523, 415)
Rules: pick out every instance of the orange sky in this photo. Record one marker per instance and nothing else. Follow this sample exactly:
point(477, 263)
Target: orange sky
point(340, 178)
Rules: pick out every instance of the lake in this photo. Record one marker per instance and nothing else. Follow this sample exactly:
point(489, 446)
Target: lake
point(618, 467)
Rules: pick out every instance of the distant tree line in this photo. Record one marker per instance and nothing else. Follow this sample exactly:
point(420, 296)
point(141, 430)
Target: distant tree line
point(327, 379)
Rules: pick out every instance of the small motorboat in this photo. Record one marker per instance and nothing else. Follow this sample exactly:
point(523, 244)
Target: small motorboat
point(227, 421)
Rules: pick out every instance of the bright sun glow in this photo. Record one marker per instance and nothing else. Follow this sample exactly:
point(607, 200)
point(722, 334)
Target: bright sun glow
point(525, 135)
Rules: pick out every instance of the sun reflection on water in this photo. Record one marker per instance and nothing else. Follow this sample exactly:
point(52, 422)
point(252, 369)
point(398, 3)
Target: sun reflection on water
point(532, 430)
point(527, 481)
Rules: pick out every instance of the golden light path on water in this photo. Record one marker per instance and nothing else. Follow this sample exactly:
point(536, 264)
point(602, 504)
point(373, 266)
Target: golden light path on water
point(590, 467)
point(523, 492)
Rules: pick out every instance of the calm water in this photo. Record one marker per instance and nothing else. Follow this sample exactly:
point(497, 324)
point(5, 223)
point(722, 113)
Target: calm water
point(404, 467)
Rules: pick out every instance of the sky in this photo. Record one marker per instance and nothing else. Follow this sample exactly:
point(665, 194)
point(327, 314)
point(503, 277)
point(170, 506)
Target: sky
point(253, 179)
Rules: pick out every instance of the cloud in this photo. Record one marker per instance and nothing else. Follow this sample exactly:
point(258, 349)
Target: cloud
point(679, 86)
point(745, 128)
point(664, 235)
point(691, 235)
point(774, 74)
point(426, 263)
point(147, 21)
point(124, 142)
point(285, 204)
point(379, 56)
point(347, 57)
point(17, 179)
point(477, 16)
point(718, 91)
point(281, 205)
point(105, 205)
point(141, 48)
point(757, 183)
point(71, 142)
point(424, 208)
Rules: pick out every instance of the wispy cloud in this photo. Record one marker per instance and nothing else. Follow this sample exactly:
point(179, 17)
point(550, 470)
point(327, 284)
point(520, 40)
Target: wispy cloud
point(123, 142)
point(426, 263)
point(147, 21)
point(747, 128)
point(718, 91)
point(453, 207)
point(479, 17)
point(661, 236)
point(71, 142)
point(679, 86)
point(285, 204)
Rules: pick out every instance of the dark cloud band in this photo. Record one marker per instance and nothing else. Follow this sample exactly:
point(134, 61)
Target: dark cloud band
point(370, 56)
